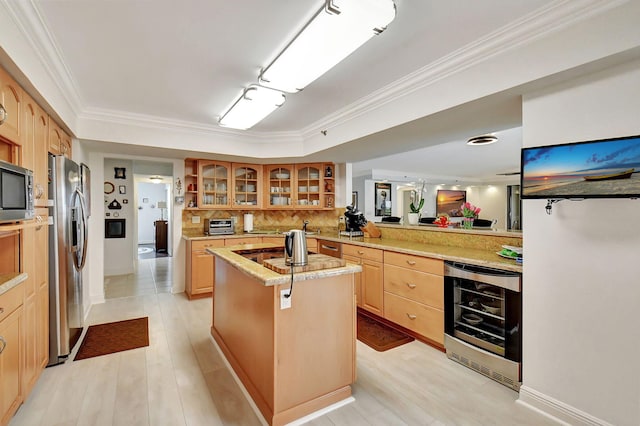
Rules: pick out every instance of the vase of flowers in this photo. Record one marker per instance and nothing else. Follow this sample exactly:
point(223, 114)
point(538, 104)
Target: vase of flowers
point(416, 206)
point(469, 213)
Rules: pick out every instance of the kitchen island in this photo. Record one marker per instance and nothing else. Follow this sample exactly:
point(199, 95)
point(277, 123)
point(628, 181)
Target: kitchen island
point(295, 360)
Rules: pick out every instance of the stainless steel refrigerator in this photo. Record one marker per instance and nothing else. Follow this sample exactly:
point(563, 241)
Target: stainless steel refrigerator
point(68, 214)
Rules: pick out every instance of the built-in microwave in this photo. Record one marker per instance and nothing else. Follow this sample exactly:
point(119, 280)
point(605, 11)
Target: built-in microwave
point(16, 193)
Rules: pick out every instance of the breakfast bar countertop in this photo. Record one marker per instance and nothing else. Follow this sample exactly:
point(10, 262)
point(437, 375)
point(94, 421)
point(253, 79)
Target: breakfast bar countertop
point(268, 277)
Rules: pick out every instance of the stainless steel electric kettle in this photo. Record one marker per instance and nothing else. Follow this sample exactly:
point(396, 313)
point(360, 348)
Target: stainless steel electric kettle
point(295, 248)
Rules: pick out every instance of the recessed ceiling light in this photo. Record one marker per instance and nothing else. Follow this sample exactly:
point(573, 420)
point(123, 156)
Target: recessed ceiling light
point(482, 140)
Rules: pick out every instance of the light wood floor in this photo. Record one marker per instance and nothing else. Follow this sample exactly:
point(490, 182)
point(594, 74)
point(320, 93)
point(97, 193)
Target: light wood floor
point(180, 379)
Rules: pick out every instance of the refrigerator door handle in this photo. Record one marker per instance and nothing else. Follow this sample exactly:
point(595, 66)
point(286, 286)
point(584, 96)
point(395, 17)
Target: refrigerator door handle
point(80, 260)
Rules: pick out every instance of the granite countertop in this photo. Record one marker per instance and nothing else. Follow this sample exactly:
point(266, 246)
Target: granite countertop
point(268, 277)
point(9, 281)
point(471, 256)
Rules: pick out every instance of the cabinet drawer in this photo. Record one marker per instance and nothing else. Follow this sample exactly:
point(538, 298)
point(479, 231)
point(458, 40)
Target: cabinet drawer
point(242, 241)
point(362, 252)
point(205, 244)
point(10, 300)
point(422, 319)
point(419, 263)
point(417, 286)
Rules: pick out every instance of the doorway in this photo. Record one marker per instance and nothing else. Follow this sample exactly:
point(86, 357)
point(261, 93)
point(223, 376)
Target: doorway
point(154, 216)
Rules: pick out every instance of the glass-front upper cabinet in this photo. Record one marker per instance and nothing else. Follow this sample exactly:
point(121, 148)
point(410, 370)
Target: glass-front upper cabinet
point(309, 185)
point(214, 184)
point(246, 186)
point(279, 186)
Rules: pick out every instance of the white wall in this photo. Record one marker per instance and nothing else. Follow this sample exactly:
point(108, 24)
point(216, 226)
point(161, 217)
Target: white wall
point(119, 252)
point(581, 289)
point(148, 212)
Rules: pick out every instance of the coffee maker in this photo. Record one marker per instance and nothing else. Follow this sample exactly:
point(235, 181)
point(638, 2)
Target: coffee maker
point(354, 220)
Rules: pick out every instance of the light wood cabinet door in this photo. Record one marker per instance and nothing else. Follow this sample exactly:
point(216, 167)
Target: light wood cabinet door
point(370, 295)
point(200, 270)
point(36, 300)
point(10, 108)
point(421, 287)
point(372, 287)
point(11, 347)
point(279, 183)
point(35, 127)
point(214, 185)
point(357, 278)
point(55, 138)
point(309, 186)
point(247, 188)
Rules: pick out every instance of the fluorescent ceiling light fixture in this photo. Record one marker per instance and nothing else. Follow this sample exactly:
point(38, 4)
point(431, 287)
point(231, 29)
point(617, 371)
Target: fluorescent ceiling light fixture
point(482, 140)
point(336, 30)
point(255, 103)
point(155, 179)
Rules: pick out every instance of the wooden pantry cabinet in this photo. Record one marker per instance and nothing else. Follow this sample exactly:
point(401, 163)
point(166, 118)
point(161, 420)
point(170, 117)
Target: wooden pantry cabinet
point(414, 294)
point(369, 282)
point(36, 298)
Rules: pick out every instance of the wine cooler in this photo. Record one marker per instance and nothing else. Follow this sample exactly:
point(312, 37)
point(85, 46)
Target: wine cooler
point(483, 320)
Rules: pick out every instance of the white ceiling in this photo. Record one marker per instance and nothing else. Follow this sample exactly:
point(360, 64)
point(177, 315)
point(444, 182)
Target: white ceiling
point(186, 62)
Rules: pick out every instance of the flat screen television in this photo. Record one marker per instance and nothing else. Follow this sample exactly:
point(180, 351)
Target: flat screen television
point(605, 168)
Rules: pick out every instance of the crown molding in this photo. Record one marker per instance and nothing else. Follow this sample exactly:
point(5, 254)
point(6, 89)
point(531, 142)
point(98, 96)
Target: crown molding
point(538, 24)
point(162, 123)
point(549, 19)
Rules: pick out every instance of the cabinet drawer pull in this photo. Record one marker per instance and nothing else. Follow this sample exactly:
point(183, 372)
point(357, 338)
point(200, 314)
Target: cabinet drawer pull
point(4, 344)
point(360, 252)
point(1, 310)
point(411, 285)
point(411, 316)
point(411, 262)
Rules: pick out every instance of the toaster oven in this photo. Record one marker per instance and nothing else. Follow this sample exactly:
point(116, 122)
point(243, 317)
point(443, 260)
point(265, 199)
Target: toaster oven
point(218, 227)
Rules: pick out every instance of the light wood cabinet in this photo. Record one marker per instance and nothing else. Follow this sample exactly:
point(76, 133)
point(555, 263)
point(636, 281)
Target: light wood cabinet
point(59, 141)
point(200, 267)
point(246, 188)
point(190, 183)
point(36, 299)
point(309, 186)
point(11, 95)
point(11, 352)
point(369, 282)
point(414, 294)
point(35, 128)
point(220, 185)
point(279, 184)
point(214, 184)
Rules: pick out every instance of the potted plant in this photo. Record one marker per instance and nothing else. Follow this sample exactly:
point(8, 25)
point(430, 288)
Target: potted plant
point(416, 206)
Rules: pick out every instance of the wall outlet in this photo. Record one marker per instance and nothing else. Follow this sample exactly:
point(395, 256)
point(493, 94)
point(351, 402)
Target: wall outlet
point(285, 303)
point(195, 219)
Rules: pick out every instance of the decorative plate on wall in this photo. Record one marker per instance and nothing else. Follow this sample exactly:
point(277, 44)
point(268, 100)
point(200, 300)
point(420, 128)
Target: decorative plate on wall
point(109, 188)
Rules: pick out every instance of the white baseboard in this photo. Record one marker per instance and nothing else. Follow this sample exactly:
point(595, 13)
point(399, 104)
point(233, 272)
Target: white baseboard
point(557, 410)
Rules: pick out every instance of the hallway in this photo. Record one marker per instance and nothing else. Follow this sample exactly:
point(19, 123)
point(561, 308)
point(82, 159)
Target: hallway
point(152, 276)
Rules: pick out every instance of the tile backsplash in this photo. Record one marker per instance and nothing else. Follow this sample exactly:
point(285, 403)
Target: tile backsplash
point(282, 220)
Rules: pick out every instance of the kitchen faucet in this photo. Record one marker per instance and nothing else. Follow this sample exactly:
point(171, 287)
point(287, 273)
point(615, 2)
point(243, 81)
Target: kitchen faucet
point(304, 225)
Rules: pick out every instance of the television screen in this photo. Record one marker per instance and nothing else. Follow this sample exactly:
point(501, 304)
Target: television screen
point(449, 202)
point(606, 168)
